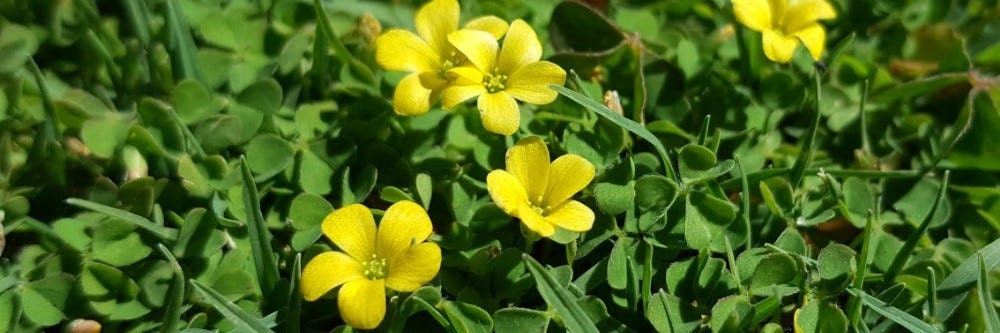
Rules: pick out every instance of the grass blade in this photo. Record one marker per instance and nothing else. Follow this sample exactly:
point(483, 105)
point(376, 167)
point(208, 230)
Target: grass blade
point(161, 233)
point(244, 321)
point(986, 299)
point(902, 318)
point(260, 244)
point(955, 287)
point(293, 316)
point(805, 155)
point(854, 304)
point(181, 45)
point(175, 294)
point(620, 120)
point(556, 295)
point(911, 242)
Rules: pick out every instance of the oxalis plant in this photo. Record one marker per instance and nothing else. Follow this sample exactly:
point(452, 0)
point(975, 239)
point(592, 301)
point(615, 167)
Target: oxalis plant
point(507, 166)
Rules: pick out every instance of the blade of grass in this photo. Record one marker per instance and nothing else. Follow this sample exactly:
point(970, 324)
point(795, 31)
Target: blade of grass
point(175, 295)
point(556, 295)
point(866, 144)
point(744, 200)
point(911, 242)
point(955, 287)
point(898, 316)
point(625, 123)
point(260, 245)
point(805, 155)
point(245, 322)
point(293, 316)
point(854, 304)
point(986, 298)
point(931, 295)
point(181, 45)
point(339, 49)
point(161, 233)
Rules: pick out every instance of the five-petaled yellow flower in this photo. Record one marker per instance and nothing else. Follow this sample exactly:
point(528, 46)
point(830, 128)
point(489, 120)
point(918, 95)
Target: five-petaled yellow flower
point(785, 23)
point(394, 255)
point(427, 57)
point(540, 193)
point(500, 75)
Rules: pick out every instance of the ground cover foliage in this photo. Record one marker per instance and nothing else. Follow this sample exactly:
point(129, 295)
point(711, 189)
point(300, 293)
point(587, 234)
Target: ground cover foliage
point(170, 165)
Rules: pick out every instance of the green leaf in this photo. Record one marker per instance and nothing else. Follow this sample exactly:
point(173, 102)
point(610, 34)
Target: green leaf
point(307, 213)
point(911, 242)
point(43, 301)
point(424, 187)
point(913, 205)
point(193, 101)
point(620, 120)
point(577, 27)
point(668, 313)
point(467, 318)
point(17, 43)
point(245, 322)
point(158, 231)
point(772, 271)
point(573, 317)
point(113, 235)
point(263, 96)
point(655, 192)
point(986, 298)
point(837, 267)
point(820, 317)
point(777, 194)
point(268, 155)
point(197, 234)
point(175, 295)
point(731, 314)
point(181, 46)
point(858, 199)
point(10, 311)
point(260, 239)
point(625, 247)
point(705, 221)
point(105, 134)
point(315, 175)
point(917, 87)
point(520, 320)
point(613, 198)
point(902, 318)
point(791, 241)
point(955, 288)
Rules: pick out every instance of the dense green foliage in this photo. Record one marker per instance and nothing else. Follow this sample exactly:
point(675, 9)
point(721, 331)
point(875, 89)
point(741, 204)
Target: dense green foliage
point(166, 165)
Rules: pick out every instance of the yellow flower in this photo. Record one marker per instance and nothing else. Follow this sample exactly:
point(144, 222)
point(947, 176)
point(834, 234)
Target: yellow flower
point(394, 256)
point(540, 193)
point(500, 75)
point(427, 57)
point(785, 23)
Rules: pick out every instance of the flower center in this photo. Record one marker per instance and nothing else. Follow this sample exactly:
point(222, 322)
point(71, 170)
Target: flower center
point(376, 268)
point(494, 82)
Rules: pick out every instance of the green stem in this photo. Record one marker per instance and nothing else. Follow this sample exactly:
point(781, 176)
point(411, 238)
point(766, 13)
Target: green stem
point(866, 145)
point(805, 155)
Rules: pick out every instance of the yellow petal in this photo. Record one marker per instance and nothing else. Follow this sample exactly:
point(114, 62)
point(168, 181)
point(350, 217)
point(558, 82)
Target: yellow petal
point(530, 83)
point(456, 95)
point(499, 113)
point(803, 13)
point(778, 47)
point(414, 268)
point(401, 50)
point(814, 38)
point(520, 47)
point(405, 223)
point(568, 174)
point(528, 160)
point(754, 14)
point(571, 215)
point(411, 97)
point(507, 192)
point(352, 228)
point(327, 271)
point(538, 224)
point(491, 24)
point(478, 46)
point(362, 303)
point(435, 20)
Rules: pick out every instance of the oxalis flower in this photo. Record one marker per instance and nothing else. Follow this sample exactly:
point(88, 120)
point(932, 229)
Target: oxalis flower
point(392, 256)
point(501, 75)
point(538, 192)
point(429, 56)
point(785, 23)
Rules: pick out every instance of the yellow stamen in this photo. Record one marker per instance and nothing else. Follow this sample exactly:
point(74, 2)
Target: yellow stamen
point(376, 268)
point(494, 82)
